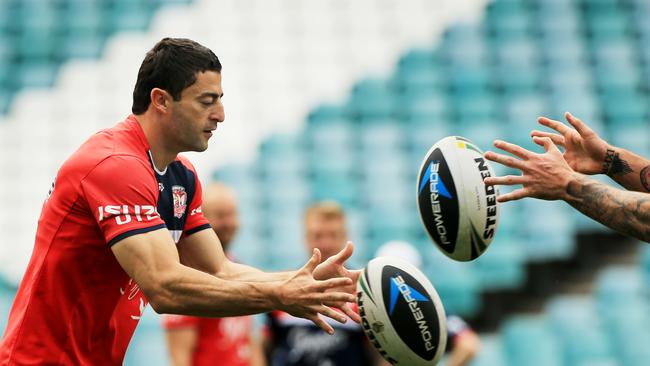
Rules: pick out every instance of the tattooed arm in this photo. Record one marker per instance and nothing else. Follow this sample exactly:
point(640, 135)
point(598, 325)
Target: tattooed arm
point(548, 176)
point(587, 153)
point(628, 169)
point(624, 211)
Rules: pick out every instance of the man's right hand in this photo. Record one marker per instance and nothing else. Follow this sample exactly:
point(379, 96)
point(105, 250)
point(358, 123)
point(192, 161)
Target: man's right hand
point(584, 150)
point(303, 296)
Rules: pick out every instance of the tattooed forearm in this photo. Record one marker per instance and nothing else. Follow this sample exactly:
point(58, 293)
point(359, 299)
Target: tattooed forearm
point(645, 178)
point(614, 165)
point(624, 211)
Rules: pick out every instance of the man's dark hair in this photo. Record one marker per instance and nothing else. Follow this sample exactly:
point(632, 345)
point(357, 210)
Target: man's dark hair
point(171, 65)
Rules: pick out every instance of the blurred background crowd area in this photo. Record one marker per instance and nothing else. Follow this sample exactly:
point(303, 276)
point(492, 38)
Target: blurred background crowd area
point(340, 100)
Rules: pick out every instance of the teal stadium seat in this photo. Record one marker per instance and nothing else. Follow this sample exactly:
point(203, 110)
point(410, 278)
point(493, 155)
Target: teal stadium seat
point(517, 80)
point(612, 79)
point(470, 80)
point(373, 99)
point(624, 107)
point(559, 50)
point(529, 340)
point(457, 284)
point(567, 77)
point(332, 135)
point(491, 352)
point(508, 19)
point(583, 105)
point(483, 132)
point(325, 113)
point(426, 107)
point(422, 134)
point(622, 297)
point(463, 45)
point(617, 53)
point(37, 74)
point(579, 330)
point(84, 18)
point(419, 71)
point(549, 230)
point(502, 267)
point(608, 22)
point(516, 52)
point(479, 106)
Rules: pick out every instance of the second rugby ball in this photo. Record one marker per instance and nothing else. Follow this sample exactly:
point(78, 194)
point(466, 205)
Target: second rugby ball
point(460, 213)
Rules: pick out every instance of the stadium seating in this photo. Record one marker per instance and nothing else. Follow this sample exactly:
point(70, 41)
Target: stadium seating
point(483, 81)
point(37, 36)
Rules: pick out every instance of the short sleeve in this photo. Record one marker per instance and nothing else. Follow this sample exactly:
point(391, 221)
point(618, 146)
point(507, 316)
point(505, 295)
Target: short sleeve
point(122, 194)
point(173, 321)
point(195, 220)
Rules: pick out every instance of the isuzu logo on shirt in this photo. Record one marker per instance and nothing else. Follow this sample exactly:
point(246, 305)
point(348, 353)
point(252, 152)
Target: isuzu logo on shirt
point(123, 214)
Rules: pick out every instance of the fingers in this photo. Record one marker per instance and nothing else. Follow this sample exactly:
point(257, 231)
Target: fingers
point(513, 196)
point(321, 323)
point(333, 283)
point(350, 313)
point(556, 125)
point(580, 126)
point(557, 139)
point(344, 254)
point(547, 143)
point(513, 149)
point(507, 180)
point(313, 261)
point(333, 314)
point(508, 161)
point(334, 298)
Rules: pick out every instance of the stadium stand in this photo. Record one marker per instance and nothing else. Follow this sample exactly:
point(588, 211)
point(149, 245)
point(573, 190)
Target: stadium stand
point(480, 80)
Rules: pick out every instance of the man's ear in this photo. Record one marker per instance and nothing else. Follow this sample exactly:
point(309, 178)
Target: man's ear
point(160, 100)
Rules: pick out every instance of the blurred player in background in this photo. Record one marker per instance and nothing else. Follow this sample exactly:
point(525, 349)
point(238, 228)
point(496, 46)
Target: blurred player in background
point(199, 341)
point(295, 342)
point(123, 226)
point(462, 342)
point(555, 175)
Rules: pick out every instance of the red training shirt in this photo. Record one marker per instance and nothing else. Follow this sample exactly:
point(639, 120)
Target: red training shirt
point(75, 304)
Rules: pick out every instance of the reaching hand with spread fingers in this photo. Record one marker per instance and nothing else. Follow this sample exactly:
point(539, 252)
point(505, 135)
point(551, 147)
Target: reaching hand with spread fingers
point(584, 150)
point(549, 176)
point(588, 153)
point(544, 176)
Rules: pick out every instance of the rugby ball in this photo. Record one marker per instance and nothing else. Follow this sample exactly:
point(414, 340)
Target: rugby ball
point(401, 312)
point(459, 212)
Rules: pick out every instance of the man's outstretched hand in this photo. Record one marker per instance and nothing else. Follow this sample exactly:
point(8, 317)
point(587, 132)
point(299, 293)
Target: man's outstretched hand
point(333, 267)
point(544, 176)
point(304, 296)
point(584, 150)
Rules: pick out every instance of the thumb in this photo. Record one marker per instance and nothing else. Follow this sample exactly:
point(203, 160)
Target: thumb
point(313, 261)
point(345, 253)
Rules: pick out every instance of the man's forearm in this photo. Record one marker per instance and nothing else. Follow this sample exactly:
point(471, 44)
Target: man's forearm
point(624, 211)
point(628, 169)
point(190, 292)
point(240, 272)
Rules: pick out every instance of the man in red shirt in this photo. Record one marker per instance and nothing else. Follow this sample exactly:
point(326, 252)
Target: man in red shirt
point(210, 341)
point(123, 227)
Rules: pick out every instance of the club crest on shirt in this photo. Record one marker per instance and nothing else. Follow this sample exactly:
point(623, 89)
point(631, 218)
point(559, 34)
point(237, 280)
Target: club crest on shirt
point(180, 200)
